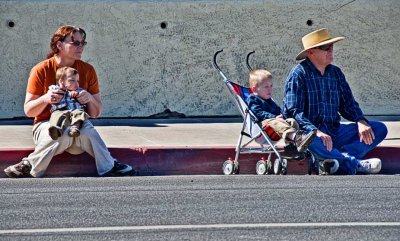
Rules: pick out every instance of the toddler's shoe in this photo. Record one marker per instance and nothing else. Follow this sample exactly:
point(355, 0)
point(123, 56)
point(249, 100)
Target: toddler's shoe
point(74, 131)
point(302, 139)
point(55, 132)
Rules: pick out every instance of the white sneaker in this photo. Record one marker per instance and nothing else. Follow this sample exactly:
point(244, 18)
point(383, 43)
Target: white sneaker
point(369, 166)
point(328, 166)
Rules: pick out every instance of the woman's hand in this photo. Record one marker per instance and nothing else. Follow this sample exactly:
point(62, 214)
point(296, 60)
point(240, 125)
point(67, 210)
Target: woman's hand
point(53, 96)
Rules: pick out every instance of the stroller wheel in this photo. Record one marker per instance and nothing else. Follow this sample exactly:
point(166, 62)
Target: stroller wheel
point(277, 166)
point(270, 167)
point(284, 167)
point(228, 168)
point(261, 167)
point(316, 166)
point(310, 164)
point(313, 164)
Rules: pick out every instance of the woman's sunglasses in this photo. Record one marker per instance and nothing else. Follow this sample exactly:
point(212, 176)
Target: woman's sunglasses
point(77, 43)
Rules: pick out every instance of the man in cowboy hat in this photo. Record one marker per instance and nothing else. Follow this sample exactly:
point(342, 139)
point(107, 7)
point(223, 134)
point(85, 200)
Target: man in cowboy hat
point(316, 92)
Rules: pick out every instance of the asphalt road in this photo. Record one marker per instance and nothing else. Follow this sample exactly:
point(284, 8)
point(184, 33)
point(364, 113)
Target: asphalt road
point(242, 207)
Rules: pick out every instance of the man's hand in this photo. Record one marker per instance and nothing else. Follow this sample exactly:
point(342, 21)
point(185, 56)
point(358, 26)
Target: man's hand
point(365, 132)
point(279, 116)
point(326, 139)
point(84, 97)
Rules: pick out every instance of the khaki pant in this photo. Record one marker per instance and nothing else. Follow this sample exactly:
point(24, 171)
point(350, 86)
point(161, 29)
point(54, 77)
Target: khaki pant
point(281, 126)
point(46, 148)
point(65, 118)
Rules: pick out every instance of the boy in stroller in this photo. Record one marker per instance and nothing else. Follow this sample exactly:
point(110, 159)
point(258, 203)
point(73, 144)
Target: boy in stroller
point(266, 110)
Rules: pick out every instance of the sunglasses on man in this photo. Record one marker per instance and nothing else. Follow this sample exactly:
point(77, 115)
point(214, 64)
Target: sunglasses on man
point(325, 47)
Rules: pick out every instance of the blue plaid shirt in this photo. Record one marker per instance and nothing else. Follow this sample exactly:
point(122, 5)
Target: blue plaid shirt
point(263, 109)
point(316, 100)
point(68, 103)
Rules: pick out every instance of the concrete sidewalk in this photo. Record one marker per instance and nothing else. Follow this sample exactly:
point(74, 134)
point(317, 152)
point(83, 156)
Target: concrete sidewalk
point(167, 146)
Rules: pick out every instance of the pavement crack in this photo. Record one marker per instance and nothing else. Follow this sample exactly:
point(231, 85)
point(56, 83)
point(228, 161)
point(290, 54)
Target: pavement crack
point(343, 5)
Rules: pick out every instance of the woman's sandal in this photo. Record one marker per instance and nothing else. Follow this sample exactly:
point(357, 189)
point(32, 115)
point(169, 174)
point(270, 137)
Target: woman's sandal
point(74, 131)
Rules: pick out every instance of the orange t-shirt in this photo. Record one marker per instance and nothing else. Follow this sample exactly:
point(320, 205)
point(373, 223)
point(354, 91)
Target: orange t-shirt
point(44, 74)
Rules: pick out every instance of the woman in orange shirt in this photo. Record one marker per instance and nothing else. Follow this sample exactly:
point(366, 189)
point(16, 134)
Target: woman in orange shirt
point(67, 45)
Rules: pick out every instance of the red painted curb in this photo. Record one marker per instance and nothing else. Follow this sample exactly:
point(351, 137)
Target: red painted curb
point(177, 161)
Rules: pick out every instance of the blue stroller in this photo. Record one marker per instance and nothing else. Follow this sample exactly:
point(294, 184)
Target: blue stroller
point(265, 138)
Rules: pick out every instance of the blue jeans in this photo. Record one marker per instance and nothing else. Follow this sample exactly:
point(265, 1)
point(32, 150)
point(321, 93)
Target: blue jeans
point(347, 148)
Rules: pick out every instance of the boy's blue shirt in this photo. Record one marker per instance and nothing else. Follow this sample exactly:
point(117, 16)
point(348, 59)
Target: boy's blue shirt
point(263, 109)
point(68, 103)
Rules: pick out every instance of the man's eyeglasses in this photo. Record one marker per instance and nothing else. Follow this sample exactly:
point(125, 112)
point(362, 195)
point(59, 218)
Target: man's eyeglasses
point(77, 43)
point(325, 47)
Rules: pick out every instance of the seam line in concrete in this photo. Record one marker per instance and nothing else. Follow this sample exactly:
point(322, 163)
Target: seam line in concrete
point(201, 226)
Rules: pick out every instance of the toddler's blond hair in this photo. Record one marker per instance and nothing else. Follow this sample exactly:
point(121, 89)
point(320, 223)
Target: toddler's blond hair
point(257, 75)
point(63, 72)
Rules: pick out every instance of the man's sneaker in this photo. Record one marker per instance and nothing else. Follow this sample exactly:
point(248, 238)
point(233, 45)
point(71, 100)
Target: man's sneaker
point(369, 166)
point(120, 169)
point(302, 140)
point(328, 166)
point(21, 169)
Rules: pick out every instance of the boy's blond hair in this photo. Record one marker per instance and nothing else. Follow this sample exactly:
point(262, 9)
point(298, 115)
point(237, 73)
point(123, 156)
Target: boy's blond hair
point(63, 72)
point(257, 75)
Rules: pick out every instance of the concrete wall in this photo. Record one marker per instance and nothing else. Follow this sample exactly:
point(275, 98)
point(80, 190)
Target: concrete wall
point(144, 69)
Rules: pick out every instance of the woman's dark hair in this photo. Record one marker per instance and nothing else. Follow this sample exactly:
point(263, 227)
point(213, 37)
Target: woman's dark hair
point(60, 34)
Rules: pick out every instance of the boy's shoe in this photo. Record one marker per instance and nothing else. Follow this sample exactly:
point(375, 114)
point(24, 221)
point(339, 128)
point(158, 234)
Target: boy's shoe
point(120, 169)
point(55, 132)
point(302, 140)
point(74, 131)
point(21, 169)
point(369, 166)
point(328, 166)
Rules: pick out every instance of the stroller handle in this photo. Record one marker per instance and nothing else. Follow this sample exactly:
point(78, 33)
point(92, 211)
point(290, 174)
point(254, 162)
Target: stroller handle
point(216, 65)
point(247, 60)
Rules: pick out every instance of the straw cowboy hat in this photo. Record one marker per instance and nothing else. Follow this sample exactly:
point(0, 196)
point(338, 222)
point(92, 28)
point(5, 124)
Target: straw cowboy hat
point(314, 39)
